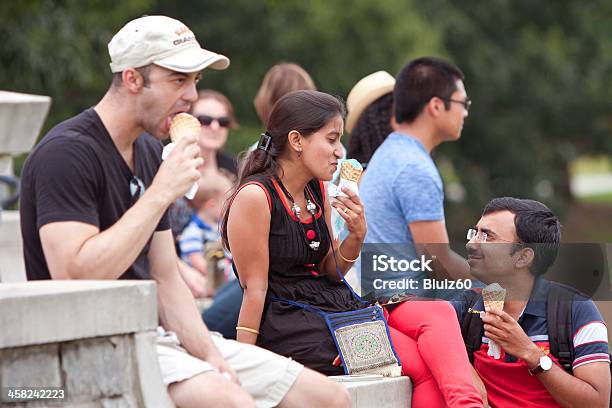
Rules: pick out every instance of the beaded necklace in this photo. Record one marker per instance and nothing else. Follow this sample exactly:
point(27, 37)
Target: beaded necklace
point(309, 236)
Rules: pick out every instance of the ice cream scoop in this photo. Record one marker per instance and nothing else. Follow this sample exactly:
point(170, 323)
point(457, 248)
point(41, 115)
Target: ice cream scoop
point(351, 170)
point(494, 296)
point(182, 125)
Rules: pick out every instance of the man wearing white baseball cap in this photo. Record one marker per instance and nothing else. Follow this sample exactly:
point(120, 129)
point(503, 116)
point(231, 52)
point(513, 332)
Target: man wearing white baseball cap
point(93, 206)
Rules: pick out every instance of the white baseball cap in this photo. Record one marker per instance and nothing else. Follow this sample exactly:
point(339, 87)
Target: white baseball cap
point(162, 41)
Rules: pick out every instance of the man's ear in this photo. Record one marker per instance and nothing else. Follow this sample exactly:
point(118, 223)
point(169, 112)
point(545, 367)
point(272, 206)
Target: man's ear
point(525, 258)
point(435, 106)
point(295, 141)
point(132, 80)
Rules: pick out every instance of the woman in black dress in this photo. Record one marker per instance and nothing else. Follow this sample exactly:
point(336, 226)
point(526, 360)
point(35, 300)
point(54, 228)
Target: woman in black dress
point(281, 251)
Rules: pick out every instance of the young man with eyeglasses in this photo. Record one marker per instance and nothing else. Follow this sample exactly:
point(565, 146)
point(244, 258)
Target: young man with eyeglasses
point(513, 244)
point(93, 206)
point(402, 189)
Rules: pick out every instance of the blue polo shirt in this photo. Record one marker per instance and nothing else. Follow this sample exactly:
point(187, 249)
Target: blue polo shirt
point(401, 185)
point(507, 380)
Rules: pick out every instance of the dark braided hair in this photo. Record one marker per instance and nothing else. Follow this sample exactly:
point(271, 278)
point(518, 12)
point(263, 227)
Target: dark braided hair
point(371, 129)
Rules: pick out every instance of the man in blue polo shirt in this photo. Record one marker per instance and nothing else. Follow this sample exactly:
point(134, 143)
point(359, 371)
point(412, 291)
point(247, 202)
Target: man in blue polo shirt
point(513, 244)
point(402, 190)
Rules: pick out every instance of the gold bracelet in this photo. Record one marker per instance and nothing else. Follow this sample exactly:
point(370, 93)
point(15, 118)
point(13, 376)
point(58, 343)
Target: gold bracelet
point(344, 259)
point(247, 329)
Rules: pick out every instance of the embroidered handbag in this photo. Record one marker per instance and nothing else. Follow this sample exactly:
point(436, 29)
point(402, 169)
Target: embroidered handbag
point(361, 336)
point(363, 342)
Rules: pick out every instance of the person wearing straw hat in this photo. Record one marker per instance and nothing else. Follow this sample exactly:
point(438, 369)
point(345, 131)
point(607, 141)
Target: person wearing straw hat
point(94, 201)
point(369, 119)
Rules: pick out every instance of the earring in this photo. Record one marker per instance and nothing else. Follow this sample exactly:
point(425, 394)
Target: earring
point(299, 153)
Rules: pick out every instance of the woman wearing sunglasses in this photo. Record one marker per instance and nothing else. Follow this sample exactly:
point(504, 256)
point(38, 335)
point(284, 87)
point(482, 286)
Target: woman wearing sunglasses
point(216, 115)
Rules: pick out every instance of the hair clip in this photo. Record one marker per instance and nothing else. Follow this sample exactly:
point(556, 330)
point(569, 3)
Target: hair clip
point(265, 141)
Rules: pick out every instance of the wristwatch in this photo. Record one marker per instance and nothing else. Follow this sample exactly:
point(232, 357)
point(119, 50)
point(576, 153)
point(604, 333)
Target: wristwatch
point(545, 365)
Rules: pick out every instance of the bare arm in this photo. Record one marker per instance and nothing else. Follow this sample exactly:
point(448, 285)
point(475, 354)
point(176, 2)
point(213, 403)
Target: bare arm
point(177, 308)
point(195, 281)
point(431, 239)
point(197, 261)
point(588, 387)
point(76, 250)
point(249, 245)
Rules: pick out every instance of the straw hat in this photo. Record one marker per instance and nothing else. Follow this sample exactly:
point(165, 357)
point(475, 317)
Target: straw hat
point(366, 91)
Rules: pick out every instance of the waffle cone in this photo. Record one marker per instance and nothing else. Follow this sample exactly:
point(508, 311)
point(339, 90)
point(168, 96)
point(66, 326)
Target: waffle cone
point(494, 296)
point(183, 124)
point(351, 170)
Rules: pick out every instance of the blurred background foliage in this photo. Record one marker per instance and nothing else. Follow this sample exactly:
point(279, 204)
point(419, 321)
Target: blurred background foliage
point(539, 73)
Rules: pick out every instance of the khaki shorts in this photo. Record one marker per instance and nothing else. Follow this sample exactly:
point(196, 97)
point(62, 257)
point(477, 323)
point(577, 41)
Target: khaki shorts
point(266, 376)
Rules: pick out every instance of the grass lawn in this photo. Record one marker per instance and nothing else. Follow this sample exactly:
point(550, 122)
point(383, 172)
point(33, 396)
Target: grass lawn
point(605, 198)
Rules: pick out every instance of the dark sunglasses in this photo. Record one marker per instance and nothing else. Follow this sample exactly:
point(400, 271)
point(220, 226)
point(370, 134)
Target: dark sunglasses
point(206, 120)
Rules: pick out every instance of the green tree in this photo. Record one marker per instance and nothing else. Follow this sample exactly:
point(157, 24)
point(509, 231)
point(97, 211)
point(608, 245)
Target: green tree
point(59, 48)
point(337, 42)
point(540, 75)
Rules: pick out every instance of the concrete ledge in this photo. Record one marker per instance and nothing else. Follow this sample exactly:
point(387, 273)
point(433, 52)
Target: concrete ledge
point(21, 118)
point(153, 389)
point(44, 312)
point(12, 267)
point(383, 393)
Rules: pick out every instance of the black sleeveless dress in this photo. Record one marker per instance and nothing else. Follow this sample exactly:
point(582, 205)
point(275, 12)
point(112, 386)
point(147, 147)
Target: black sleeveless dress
point(293, 274)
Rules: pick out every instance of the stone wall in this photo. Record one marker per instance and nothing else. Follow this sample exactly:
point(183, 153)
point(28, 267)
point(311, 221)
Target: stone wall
point(93, 339)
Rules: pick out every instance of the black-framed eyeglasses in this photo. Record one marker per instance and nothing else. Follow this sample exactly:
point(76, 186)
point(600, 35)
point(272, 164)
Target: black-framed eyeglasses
point(466, 103)
point(206, 120)
point(137, 188)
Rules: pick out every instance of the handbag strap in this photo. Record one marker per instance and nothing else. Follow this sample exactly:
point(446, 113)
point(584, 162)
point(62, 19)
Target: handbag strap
point(298, 304)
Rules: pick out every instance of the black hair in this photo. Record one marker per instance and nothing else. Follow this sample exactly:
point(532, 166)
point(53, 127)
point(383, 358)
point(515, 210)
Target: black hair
point(421, 80)
point(304, 111)
point(371, 129)
point(536, 227)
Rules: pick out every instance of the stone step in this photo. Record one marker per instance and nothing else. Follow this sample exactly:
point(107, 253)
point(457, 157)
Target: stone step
point(379, 393)
point(42, 312)
point(93, 339)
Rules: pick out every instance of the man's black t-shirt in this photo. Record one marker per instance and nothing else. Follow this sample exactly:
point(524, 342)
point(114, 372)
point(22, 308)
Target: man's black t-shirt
point(76, 173)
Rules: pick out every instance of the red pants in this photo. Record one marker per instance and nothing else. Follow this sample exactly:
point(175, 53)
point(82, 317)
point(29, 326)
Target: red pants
point(428, 340)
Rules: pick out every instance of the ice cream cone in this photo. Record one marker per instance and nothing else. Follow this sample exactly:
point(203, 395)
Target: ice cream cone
point(183, 124)
point(494, 296)
point(351, 170)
